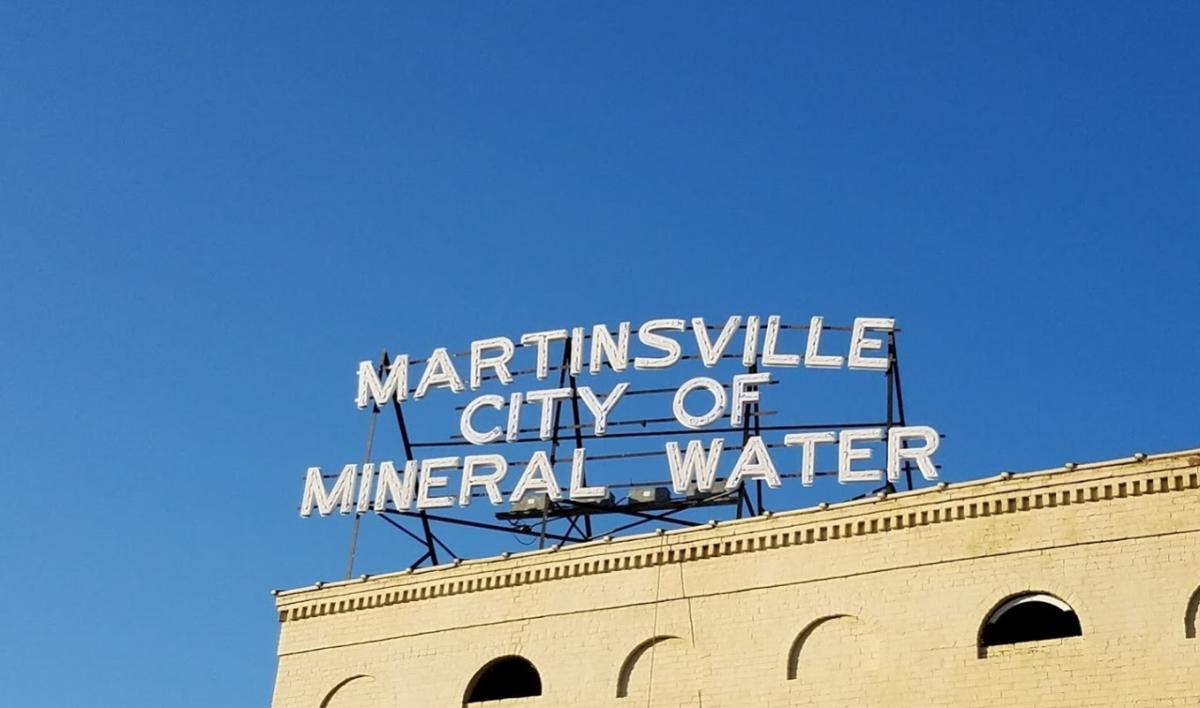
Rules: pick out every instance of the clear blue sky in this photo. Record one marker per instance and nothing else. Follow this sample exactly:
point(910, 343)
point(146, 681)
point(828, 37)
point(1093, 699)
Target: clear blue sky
point(209, 213)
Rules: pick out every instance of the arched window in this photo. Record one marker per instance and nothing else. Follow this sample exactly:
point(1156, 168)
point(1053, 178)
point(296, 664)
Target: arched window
point(837, 655)
point(637, 669)
point(353, 691)
point(506, 677)
point(793, 659)
point(1030, 617)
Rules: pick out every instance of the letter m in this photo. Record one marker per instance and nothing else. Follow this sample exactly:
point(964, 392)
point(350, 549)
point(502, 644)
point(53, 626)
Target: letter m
point(340, 495)
point(394, 387)
point(694, 463)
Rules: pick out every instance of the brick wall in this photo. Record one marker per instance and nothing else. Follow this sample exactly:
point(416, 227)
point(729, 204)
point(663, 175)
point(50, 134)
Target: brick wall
point(876, 602)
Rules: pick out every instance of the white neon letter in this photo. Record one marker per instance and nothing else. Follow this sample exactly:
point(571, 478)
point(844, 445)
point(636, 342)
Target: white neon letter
point(578, 491)
point(600, 410)
point(710, 352)
point(547, 397)
point(390, 484)
point(537, 477)
point(576, 363)
point(490, 481)
point(808, 452)
point(847, 455)
point(672, 348)
point(922, 455)
point(514, 417)
point(750, 347)
point(859, 342)
point(604, 347)
point(469, 433)
point(342, 494)
point(432, 481)
point(439, 371)
point(695, 422)
point(542, 341)
point(497, 363)
point(771, 341)
point(694, 463)
point(393, 388)
point(754, 463)
point(813, 359)
point(743, 394)
point(364, 488)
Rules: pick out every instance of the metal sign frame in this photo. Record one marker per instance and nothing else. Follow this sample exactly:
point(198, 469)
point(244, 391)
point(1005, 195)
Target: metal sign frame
point(567, 521)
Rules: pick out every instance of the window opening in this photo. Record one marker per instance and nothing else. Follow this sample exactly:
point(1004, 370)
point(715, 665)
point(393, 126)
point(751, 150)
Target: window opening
point(1030, 618)
point(506, 677)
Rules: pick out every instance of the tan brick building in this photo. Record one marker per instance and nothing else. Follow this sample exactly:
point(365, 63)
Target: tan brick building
point(938, 597)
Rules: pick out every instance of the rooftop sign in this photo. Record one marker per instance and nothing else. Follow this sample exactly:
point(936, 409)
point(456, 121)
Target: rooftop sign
point(703, 410)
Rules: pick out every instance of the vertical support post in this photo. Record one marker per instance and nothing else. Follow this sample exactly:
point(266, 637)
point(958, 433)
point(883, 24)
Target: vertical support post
point(578, 424)
point(890, 381)
point(758, 483)
point(430, 541)
point(562, 379)
point(894, 358)
point(366, 459)
point(743, 495)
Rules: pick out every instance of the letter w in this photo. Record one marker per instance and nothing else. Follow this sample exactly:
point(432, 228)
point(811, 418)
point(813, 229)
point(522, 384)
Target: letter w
point(694, 464)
